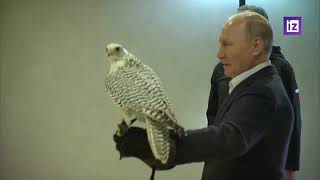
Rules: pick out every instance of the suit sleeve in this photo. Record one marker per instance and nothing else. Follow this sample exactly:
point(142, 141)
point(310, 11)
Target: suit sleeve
point(213, 96)
point(290, 84)
point(242, 127)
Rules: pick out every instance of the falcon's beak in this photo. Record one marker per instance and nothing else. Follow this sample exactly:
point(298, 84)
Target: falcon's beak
point(107, 51)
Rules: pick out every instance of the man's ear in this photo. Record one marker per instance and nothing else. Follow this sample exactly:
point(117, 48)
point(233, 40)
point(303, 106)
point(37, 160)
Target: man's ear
point(257, 45)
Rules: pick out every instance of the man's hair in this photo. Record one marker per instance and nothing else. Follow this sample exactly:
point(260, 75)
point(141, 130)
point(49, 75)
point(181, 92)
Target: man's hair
point(258, 26)
point(256, 9)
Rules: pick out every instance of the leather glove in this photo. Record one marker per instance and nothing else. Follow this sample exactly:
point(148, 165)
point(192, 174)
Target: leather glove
point(133, 142)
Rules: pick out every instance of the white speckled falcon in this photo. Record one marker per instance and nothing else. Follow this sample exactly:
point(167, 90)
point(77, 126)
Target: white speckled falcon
point(137, 90)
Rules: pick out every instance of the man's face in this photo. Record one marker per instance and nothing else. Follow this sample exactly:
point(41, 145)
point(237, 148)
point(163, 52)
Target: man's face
point(235, 51)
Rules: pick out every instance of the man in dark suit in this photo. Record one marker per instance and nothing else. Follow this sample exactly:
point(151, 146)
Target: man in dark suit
point(250, 135)
point(220, 86)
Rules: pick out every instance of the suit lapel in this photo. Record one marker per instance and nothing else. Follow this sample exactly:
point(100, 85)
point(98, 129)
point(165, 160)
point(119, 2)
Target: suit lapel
point(269, 70)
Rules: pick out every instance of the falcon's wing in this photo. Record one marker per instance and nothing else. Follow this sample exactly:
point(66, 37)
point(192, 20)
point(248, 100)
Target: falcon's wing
point(130, 87)
point(150, 74)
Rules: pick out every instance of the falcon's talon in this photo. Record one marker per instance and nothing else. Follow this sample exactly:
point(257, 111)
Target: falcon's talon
point(132, 121)
point(118, 132)
point(122, 128)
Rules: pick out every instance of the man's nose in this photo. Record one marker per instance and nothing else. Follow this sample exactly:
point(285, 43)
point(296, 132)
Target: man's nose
point(221, 53)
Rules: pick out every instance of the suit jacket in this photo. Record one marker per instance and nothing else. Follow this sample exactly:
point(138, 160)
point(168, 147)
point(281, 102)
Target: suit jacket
point(250, 135)
point(219, 91)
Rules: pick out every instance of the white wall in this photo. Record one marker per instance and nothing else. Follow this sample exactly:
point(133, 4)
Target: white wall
point(56, 120)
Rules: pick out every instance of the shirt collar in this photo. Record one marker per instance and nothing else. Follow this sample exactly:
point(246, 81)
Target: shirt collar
point(241, 77)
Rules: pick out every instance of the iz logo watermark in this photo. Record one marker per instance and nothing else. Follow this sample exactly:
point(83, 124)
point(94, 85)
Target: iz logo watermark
point(292, 25)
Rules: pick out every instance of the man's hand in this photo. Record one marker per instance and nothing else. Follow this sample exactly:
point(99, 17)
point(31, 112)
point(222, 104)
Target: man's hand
point(133, 142)
point(289, 175)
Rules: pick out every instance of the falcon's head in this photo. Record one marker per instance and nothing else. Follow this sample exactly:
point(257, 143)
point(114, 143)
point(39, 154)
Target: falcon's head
point(115, 52)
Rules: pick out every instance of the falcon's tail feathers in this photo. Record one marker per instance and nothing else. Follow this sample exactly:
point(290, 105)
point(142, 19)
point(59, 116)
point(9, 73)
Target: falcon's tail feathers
point(159, 140)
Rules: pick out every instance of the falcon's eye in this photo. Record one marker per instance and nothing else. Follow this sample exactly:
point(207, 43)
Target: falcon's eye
point(117, 49)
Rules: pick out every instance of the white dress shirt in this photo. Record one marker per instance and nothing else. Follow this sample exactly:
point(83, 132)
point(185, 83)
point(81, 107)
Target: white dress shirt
point(241, 77)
